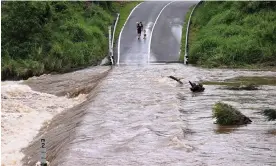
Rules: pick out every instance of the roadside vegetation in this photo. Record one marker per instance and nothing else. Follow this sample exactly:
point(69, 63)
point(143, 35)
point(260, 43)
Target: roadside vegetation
point(226, 114)
point(55, 37)
point(233, 34)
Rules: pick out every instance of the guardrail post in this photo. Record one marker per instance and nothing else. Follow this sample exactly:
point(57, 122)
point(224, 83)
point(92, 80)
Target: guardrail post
point(110, 45)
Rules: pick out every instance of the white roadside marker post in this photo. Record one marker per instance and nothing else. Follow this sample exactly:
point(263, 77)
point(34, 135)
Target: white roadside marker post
point(43, 152)
point(110, 45)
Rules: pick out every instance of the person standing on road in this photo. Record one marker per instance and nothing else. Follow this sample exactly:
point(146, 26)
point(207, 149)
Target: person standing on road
point(139, 29)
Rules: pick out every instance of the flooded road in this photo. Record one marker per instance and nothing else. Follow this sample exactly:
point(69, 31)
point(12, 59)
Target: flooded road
point(138, 116)
point(141, 117)
point(163, 22)
point(27, 106)
point(166, 37)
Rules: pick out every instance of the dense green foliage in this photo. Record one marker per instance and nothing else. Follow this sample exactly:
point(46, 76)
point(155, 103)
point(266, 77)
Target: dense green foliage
point(43, 37)
point(234, 34)
point(228, 115)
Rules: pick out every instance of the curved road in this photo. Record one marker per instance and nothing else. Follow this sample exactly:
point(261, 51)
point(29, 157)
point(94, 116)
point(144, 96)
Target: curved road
point(166, 37)
point(120, 125)
point(163, 21)
point(138, 117)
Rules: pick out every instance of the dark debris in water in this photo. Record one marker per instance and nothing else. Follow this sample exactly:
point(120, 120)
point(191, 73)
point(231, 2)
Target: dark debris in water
point(187, 131)
point(176, 79)
point(196, 87)
point(270, 114)
point(182, 111)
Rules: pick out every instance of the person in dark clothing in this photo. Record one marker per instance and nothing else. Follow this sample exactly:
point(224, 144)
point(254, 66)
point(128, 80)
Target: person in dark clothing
point(139, 29)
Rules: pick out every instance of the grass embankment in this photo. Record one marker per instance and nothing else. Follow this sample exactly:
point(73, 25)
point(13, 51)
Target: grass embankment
point(124, 11)
point(233, 34)
point(46, 37)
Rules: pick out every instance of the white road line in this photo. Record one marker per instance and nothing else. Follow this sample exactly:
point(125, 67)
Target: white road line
point(119, 40)
point(153, 28)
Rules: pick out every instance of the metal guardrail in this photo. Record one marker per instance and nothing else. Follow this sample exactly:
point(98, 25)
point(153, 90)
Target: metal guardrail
point(118, 16)
point(111, 40)
point(187, 34)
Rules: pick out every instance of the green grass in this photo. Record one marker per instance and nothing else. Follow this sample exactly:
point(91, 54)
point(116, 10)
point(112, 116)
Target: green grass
point(56, 37)
point(238, 81)
point(233, 34)
point(124, 13)
point(226, 114)
point(184, 30)
point(45, 37)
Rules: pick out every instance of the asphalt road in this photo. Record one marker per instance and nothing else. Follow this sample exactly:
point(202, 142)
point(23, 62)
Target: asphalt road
point(166, 36)
point(133, 50)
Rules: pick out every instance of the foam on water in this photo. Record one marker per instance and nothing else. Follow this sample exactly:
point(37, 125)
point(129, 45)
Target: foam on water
point(24, 112)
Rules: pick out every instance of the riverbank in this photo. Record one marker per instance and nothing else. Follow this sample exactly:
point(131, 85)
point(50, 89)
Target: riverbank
point(27, 106)
point(233, 35)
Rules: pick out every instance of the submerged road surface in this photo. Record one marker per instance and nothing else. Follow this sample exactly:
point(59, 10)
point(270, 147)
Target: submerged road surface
point(163, 23)
point(141, 117)
point(166, 36)
point(130, 49)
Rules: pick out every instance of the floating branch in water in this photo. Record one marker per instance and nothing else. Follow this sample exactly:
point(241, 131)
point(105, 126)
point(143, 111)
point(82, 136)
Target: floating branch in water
point(228, 115)
point(176, 79)
point(196, 87)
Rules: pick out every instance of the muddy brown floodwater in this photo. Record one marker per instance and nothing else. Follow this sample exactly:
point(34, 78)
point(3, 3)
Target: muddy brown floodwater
point(139, 116)
point(24, 110)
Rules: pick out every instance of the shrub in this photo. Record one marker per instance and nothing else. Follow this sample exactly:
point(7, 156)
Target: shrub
point(228, 115)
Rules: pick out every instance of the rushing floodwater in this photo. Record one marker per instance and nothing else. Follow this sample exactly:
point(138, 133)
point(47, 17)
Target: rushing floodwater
point(141, 117)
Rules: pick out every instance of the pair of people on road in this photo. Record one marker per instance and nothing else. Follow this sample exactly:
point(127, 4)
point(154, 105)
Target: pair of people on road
point(140, 28)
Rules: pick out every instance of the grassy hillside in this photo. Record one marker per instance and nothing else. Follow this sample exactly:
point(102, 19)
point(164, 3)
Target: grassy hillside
point(45, 37)
point(233, 34)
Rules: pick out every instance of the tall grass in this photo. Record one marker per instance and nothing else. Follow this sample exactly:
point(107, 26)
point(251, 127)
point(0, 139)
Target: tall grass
point(233, 34)
point(43, 37)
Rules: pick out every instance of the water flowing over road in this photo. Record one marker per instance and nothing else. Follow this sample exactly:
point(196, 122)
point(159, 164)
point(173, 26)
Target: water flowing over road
point(139, 116)
point(163, 24)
